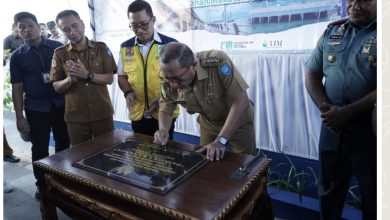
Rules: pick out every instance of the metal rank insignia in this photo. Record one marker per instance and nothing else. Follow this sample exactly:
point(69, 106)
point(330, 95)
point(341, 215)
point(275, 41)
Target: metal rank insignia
point(367, 47)
point(209, 62)
point(340, 30)
point(372, 60)
point(332, 58)
point(372, 40)
point(338, 35)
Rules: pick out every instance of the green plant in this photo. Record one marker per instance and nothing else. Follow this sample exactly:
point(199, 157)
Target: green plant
point(294, 181)
point(7, 95)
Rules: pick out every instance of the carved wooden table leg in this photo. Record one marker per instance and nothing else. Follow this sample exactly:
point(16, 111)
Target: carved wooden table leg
point(48, 208)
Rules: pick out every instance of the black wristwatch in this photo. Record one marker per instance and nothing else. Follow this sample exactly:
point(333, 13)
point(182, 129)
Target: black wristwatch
point(90, 76)
point(127, 92)
point(222, 140)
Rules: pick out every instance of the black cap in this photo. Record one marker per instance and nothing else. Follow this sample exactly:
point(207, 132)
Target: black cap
point(51, 24)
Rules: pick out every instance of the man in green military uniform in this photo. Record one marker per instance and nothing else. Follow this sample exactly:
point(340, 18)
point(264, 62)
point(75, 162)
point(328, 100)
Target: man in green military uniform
point(207, 83)
point(346, 56)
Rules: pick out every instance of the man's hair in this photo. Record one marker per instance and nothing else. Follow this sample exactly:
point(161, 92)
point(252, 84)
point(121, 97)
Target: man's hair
point(22, 15)
point(66, 13)
point(139, 5)
point(51, 24)
point(177, 51)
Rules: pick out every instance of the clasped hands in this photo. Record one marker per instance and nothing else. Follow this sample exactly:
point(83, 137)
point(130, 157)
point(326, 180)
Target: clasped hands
point(214, 149)
point(334, 117)
point(76, 70)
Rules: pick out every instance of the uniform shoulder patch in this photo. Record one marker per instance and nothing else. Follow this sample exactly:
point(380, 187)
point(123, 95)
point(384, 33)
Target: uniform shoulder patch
point(225, 69)
point(108, 52)
point(63, 47)
point(209, 61)
point(159, 48)
point(341, 21)
point(53, 63)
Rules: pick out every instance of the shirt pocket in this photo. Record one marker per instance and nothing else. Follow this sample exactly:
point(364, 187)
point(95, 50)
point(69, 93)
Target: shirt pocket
point(215, 103)
point(97, 65)
point(189, 102)
point(334, 53)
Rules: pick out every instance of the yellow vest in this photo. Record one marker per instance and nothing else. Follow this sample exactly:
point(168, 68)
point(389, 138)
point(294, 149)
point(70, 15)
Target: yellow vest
point(135, 69)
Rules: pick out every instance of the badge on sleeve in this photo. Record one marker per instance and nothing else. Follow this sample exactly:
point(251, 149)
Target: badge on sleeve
point(225, 69)
point(159, 48)
point(108, 52)
point(53, 63)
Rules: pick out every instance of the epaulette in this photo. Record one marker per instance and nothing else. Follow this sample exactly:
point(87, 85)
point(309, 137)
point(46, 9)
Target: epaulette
point(210, 61)
point(61, 47)
point(341, 21)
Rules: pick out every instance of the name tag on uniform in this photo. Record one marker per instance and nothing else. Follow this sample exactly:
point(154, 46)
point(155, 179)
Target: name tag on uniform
point(180, 102)
point(336, 37)
point(46, 77)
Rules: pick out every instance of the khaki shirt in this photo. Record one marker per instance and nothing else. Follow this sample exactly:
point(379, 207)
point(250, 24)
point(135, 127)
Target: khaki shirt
point(85, 101)
point(217, 84)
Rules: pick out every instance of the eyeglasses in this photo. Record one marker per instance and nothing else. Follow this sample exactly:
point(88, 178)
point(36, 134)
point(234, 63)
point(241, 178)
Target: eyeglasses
point(175, 79)
point(143, 26)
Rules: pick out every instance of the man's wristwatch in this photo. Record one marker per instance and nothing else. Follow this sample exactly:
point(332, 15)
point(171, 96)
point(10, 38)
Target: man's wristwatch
point(90, 76)
point(125, 93)
point(222, 140)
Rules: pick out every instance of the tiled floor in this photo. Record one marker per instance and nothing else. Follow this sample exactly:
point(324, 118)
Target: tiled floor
point(20, 204)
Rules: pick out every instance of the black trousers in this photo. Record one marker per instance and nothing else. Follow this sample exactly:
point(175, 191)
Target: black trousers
point(150, 126)
point(41, 124)
point(356, 156)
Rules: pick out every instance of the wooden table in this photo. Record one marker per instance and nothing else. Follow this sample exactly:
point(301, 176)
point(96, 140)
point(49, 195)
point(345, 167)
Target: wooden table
point(209, 194)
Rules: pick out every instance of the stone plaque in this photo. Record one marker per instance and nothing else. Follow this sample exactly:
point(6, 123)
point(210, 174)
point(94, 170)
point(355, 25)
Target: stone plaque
point(145, 165)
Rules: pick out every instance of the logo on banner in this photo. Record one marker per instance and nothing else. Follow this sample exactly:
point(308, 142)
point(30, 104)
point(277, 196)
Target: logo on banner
point(272, 44)
point(227, 45)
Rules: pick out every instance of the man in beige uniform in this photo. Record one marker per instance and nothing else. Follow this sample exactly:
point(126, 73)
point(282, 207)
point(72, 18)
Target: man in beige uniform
point(82, 69)
point(207, 83)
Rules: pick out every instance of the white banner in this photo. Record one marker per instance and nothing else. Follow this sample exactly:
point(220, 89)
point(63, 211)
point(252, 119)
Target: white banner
point(238, 25)
point(275, 36)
